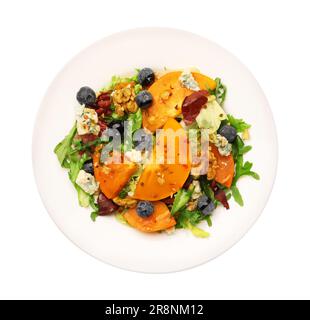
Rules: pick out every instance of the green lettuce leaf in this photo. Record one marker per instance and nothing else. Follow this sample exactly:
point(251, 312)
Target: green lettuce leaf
point(239, 124)
point(211, 117)
point(63, 148)
point(118, 79)
point(236, 195)
point(136, 119)
point(198, 232)
point(220, 91)
point(180, 200)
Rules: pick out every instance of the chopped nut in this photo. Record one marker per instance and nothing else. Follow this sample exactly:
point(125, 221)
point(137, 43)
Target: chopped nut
point(119, 110)
point(131, 106)
point(126, 202)
point(124, 100)
point(192, 205)
point(212, 165)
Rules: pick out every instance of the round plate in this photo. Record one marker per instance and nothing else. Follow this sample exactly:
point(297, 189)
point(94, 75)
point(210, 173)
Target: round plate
point(107, 239)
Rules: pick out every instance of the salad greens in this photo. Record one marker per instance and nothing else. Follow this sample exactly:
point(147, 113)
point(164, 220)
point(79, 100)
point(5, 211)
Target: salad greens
point(118, 79)
point(64, 147)
point(189, 220)
point(239, 124)
point(123, 190)
point(181, 199)
point(241, 168)
point(219, 92)
point(68, 158)
point(136, 119)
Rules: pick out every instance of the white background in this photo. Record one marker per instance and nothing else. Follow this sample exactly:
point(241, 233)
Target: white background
point(38, 37)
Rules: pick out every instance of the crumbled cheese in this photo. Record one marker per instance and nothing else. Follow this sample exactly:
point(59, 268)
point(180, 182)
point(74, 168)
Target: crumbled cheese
point(87, 122)
point(222, 144)
point(225, 151)
point(87, 182)
point(187, 80)
point(197, 190)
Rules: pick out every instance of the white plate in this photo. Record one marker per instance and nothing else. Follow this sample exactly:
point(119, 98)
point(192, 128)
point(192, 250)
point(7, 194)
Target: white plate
point(107, 239)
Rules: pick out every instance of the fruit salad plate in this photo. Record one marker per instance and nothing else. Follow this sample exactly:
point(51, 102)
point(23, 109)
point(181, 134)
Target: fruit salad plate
point(154, 160)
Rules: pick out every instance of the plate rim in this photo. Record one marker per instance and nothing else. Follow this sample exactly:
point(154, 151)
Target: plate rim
point(161, 29)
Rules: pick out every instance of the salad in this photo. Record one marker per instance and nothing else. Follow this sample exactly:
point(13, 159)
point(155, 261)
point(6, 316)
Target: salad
point(157, 150)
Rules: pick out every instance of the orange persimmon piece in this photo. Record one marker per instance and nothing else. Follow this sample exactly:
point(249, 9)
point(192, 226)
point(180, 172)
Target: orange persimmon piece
point(112, 177)
point(160, 219)
point(168, 96)
point(226, 167)
point(159, 181)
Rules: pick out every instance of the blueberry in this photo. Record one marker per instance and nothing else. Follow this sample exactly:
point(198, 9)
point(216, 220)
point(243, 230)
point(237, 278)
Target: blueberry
point(208, 209)
point(144, 99)
point(86, 96)
point(146, 77)
point(203, 202)
point(205, 205)
point(88, 166)
point(145, 209)
point(229, 132)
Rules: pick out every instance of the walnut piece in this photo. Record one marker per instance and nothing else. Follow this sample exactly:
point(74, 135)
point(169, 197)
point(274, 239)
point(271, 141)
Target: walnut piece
point(126, 202)
point(124, 100)
point(212, 165)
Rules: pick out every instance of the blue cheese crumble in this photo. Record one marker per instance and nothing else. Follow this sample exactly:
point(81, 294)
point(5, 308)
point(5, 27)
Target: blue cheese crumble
point(223, 146)
point(187, 80)
point(87, 182)
point(87, 122)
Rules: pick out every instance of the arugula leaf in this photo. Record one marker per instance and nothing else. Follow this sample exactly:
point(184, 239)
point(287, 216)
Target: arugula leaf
point(84, 198)
point(95, 207)
point(185, 216)
point(79, 146)
point(241, 169)
point(136, 119)
point(76, 164)
point(236, 195)
point(244, 170)
point(239, 149)
point(180, 200)
point(220, 91)
point(189, 219)
point(205, 186)
point(198, 232)
point(94, 215)
point(137, 88)
point(118, 79)
point(209, 220)
point(239, 124)
point(124, 192)
point(63, 148)
point(93, 204)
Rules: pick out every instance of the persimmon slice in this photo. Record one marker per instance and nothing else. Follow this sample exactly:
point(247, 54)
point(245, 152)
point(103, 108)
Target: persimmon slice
point(226, 168)
point(168, 96)
point(160, 219)
point(112, 177)
point(159, 181)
